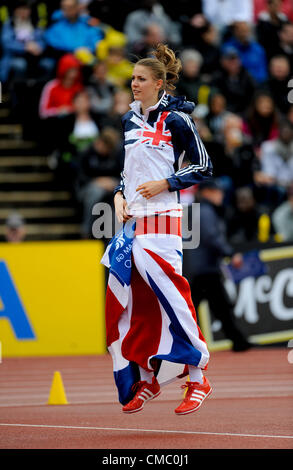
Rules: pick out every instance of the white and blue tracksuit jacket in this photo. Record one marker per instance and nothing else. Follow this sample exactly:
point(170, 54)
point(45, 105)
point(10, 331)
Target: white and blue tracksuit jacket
point(155, 145)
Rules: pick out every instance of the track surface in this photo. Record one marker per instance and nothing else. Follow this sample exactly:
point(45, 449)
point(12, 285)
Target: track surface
point(251, 406)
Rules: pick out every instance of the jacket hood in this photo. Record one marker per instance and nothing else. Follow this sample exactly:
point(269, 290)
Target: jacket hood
point(177, 103)
point(68, 61)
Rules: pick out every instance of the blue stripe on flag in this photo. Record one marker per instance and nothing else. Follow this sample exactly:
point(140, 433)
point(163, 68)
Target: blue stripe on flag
point(124, 379)
point(182, 352)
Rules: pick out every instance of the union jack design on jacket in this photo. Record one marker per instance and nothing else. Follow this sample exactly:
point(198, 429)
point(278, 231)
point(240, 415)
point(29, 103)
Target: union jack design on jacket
point(150, 317)
point(155, 145)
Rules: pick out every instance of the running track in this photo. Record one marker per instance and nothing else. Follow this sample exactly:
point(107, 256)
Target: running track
point(251, 406)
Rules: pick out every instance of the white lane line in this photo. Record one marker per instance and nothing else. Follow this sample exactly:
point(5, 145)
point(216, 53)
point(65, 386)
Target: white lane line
point(110, 399)
point(93, 428)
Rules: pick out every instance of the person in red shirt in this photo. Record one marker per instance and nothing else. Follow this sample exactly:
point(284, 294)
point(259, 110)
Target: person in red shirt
point(56, 101)
point(286, 7)
point(57, 95)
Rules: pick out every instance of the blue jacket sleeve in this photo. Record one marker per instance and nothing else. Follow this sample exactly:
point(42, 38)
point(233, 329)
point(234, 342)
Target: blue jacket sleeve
point(187, 142)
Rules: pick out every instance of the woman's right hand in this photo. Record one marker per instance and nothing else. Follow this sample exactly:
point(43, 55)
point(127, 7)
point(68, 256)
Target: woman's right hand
point(121, 208)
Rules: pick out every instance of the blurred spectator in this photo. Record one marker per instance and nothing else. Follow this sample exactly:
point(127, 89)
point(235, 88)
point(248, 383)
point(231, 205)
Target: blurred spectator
point(207, 45)
point(153, 35)
point(58, 94)
point(100, 89)
point(84, 128)
point(242, 223)
point(233, 80)
point(119, 68)
point(15, 229)
point(56, 100)
point(269, 23)
point(239, 152)
point(262, 121)
point(276, 166)
point(251, 53)
point(190, 82)
point(277, 84)
point(22, 46)
point(223, 13)
point(98, 175)
point(282, 217)
point(150, 11)
point(199, 117)
point(204, 263)
point(112, 51)
point(261, 5)
point(79, 130)
point(285, 44)
point(71, 31)
point(216, 116)
point(121, 101)
point(233, 158)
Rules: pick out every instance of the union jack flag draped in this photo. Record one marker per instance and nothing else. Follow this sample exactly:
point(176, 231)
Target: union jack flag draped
point(150, 317)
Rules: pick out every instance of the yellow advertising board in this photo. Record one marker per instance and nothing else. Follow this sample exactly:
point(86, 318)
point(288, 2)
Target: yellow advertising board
point(52, 298)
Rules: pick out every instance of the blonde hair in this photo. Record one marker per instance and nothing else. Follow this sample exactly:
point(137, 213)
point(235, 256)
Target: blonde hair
point(164, 65)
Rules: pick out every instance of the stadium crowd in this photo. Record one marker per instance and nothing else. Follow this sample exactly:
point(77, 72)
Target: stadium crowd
point(67, 66)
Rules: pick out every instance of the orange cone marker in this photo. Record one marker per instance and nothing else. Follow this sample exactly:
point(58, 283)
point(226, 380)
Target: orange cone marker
point(57, 393)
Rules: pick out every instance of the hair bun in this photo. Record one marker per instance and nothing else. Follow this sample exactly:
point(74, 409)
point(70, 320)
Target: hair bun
point(172, 64)
point(164, 65)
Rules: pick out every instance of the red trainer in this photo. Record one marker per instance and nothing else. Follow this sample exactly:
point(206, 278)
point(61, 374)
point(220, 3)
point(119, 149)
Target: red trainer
point(144, 392)
point(195, 395)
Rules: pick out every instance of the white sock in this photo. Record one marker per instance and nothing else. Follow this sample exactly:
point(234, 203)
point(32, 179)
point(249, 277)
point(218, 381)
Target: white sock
point(145, 375)
point(195, 374)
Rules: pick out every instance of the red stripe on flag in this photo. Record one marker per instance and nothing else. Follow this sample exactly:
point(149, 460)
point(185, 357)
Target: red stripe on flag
point(163, 224)
point(159, 135)
point(143, 337)
point(180, 283)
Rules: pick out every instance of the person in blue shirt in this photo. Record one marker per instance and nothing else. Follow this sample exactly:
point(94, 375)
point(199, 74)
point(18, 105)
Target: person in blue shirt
point(203, 264)
point(70, 30)
point(22, 45)
point(251, 53)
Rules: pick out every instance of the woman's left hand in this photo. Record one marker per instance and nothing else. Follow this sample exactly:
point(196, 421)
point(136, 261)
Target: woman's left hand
point(152, 188)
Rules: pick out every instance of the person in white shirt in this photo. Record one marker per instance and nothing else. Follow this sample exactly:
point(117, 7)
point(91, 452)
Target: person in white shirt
point(223, 13)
